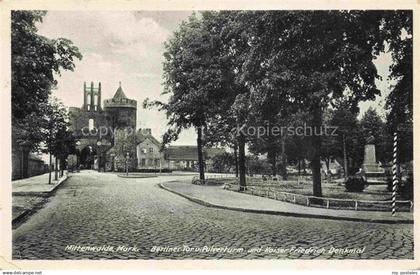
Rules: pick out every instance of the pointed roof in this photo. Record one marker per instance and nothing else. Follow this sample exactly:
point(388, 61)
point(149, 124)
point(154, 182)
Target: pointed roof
point(119, 93)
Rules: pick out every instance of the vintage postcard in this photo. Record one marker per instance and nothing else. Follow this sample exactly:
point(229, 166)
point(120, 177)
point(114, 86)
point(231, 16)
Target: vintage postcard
point(236, 133)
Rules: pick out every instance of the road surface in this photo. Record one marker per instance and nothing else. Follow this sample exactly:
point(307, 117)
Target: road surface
point(102, 216)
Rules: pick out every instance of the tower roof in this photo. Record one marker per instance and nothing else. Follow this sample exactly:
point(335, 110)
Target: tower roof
point(119, 93)
point(120, 100)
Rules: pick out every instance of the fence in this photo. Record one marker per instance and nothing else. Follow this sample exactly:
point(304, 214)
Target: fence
point(333, 203)
point(208, 178)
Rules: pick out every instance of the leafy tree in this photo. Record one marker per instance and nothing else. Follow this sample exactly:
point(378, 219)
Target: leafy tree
point(65, 144)
point(195, 79)
point(219, 132)
point(314, 58)
point(347, 144)
point(397, 32)
point(35, 62)
point(372, 124)
point(54, 124)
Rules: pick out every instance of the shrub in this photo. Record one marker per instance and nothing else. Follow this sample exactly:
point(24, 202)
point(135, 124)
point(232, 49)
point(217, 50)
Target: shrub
point(355, 184)
point(407, 188)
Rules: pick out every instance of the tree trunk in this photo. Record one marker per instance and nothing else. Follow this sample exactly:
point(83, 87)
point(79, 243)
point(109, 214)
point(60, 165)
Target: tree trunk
point(200, 152)
point(299, 167)
point(345, 157)
point(56, 168)
point(21, 164)
point(235, 152)
point(49, 174)
point(316, 145)
point(271, 155)
point(62, 160)
point(242, 167)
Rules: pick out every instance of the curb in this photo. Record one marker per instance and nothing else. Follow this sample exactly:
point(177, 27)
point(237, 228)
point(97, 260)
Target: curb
point(34, 208)
point(282, 213)
point(134, 177)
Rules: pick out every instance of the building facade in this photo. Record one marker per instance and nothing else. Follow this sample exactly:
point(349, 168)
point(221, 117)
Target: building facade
point(148, 151)
point(105, 143)
point(186, 157)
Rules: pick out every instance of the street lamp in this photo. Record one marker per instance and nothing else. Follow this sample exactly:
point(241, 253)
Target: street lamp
point(99, 143)
point(126, 163)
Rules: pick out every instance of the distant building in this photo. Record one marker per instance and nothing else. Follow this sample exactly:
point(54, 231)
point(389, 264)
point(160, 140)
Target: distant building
point(94, 125)
point(186, 157)
point(35, 166)
point(148, 151)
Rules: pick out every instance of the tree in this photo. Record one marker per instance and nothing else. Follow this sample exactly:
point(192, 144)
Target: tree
point(219, 132)
point(65, 144)
point(372, 124)
point(347, 144)
point(35, 62)
point(223, 162)
point(397, 31)
point(194, 79)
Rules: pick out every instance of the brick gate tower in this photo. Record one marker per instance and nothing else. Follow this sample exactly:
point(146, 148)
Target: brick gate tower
point(94, 125)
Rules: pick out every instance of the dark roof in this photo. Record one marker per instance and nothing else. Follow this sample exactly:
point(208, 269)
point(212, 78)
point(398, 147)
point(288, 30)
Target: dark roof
point(34, 157)
point(212, 152)
point(190, 153)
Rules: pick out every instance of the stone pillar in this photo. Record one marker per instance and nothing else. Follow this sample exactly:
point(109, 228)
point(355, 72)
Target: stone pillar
point(99, 97)
point(92, 97)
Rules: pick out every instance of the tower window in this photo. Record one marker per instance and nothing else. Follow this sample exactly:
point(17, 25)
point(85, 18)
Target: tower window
point(88, 100)
point(95, 102)
point(151, 150)
point(91, 124)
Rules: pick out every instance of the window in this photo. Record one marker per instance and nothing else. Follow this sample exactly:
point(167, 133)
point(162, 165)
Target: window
point(144, 150)
point(91, 124)
point(95, 102)
point(150, 150)
point(143, 162)
point(157, 162)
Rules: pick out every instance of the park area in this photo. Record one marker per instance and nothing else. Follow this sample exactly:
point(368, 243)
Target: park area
point(300, 190)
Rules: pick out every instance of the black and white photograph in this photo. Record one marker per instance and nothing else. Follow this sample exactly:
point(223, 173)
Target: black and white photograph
point(197, 134)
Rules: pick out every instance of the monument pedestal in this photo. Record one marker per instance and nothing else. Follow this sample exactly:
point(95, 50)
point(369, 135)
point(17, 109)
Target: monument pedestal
point(370, 167)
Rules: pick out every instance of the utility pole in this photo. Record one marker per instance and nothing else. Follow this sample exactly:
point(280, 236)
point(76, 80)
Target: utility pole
point(345, 156)
point(126, 163)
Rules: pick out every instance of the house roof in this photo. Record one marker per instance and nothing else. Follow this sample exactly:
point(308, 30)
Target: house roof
point(119, 94)
point(142, 136)
point(190, 153)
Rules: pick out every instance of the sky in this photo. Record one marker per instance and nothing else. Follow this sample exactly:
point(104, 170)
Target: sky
point(127, 46)
point(117, 46)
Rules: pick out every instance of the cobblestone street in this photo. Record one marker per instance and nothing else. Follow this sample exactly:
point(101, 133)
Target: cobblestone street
point(135, 215)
